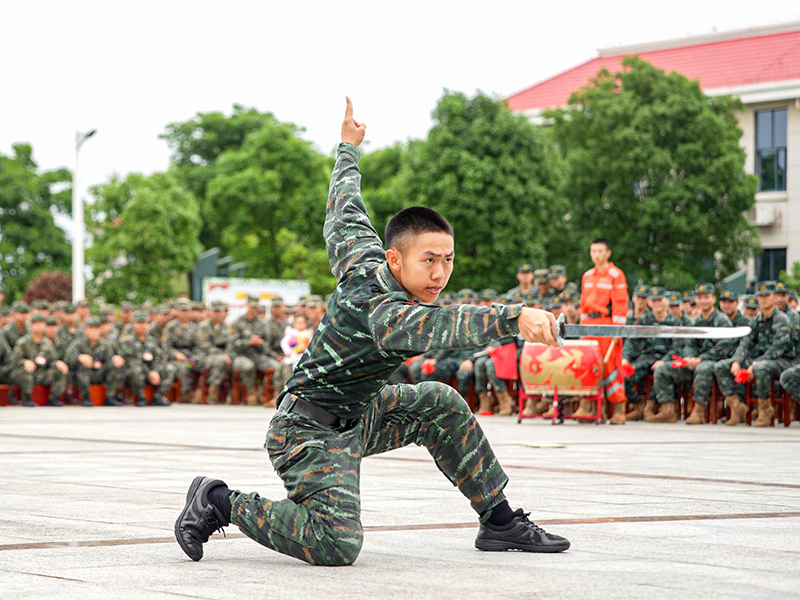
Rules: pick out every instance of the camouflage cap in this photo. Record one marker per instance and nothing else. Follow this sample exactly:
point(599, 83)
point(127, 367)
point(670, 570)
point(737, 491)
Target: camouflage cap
point(657, 293)
point(302, 301)
point(687, 296)
point(488, 294)
point(446, 298)
point(530, 298)
point(92, 322)
point(70, 309)
point(516, 297)
point(793, 294)
point(21, 307)
point(728, 295)
point(252, 301)
point(41, 305)
point(38, 317)
point(182, 304)
point(750, 302)
point(312, 303)
point(126, 306)
point(218, 305)
point(547, 304)
point(503, 299)
point(163, 310)
point(765, 287)
point(197, 305)
point(140, 317)
point(315, 298)
point(108, 310)
point(4, 311)
point(59, 305)
point(782, 286)
point(103, 318)
point(568, 296)
point(51, 321)
point(674, 298)
point(555, 302)
point(277, 301)
point(704, 288)
point(467, 295)
point(525, 268)
point(557, 271)
point(642, 290)
point(82, 303)
point(540, 276)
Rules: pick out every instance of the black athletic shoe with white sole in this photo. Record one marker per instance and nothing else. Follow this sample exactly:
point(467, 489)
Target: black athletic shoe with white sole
point(199, 518)
point(520, 534)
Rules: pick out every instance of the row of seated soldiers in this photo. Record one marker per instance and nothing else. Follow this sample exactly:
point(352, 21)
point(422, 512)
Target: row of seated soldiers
point(60, 346)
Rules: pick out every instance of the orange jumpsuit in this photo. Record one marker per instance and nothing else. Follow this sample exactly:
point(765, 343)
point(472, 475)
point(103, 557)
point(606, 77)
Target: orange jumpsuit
point(604, 301)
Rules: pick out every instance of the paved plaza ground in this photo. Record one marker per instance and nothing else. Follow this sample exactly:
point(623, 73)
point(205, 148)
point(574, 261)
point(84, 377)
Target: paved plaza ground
point(90, 495)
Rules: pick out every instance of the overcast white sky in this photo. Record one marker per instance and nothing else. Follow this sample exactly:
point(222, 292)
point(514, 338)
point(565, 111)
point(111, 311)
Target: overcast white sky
point(129, 68)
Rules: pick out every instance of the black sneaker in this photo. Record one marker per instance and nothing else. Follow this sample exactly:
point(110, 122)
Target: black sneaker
point(112, 401)
point(199, 518)
point(521, 534)
point(28, 402)
point(86, 401)
point(160, 401)
point(54, 402)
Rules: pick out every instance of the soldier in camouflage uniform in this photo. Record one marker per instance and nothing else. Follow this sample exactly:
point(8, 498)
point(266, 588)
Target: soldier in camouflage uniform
point(179, 343)
point(701, 356)
point(6, 364)
point(213, 339)
point(639, 296)
point(94, 360)
point(749, 306)
point(764, 354)
point(18, 325)
point(525, 277)
point(646, 355)
point(336, 408)
point(541, 283)
point(35, 362)
point(557, 279)
point(687, 298)
point(729, 305)
point(155, 330)
point(125, 324)
point(251, 351)
point(145, 362)
point(5, 318)
point(782, 304)
point(793, 302)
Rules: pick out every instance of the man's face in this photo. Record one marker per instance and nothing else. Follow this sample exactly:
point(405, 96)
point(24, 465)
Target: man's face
point(70, 318)
point(705, 302)
point(92, 334)
point(793, 303)
point(112, 317)
point(20, 318)
point(184, 316)
point(525, 278)
point(766, 301)
point(217, 316)
point(659, 305)
point(38, 327)
point(749, 312)
point(599, 253)
point(84, 311)
point(686, 307)
point(543, 288)
point(425, 264)
point(126, 316)
point(639, 303)
point(781, 299)
point(140, 328)
point(104, 329)
point(569, 309)
point(728, 306)
point(676, 311)
point(558, 282)
point(252, 312)
point(278, 312)
point(51, 331)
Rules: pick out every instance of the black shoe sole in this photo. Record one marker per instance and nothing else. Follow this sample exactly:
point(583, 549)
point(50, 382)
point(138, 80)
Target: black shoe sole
point(189, 496)
point(501, 546)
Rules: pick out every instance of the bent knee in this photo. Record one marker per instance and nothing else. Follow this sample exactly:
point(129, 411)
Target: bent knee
point(440, 395)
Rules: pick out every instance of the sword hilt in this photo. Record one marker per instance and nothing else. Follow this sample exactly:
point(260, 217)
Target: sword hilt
point(560, 329)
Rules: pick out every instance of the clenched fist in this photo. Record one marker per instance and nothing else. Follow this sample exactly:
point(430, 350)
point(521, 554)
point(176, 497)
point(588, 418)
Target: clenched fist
point(538, 326)
point(352, 131)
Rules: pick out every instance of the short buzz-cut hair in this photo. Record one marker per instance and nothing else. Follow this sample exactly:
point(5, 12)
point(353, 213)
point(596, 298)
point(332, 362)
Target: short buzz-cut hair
point(602, 241)
point(413, 221)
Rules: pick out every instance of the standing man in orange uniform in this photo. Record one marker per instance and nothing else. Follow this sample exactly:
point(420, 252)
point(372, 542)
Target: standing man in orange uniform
point(604, 301)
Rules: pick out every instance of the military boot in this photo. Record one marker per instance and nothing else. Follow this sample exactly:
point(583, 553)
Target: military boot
point(738, 410)
point(765, 413)
point(618, 416)
point(585, 409)
point(27, 401)
point(485, 404)
point(196, 396)
point(506, 403)
point(665, 414)
point(54, 401)
point(212, 397)
point(636, 412)
point(650, 410)
point(541, 406)
point(698, 416)
point(252, 396)
point(530, 407)
point(550, 412)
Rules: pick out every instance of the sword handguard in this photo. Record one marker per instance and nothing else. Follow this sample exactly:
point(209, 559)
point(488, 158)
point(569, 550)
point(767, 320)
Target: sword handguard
point(560, 331)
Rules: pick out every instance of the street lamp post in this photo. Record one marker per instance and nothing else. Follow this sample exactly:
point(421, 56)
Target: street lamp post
point(78, 284)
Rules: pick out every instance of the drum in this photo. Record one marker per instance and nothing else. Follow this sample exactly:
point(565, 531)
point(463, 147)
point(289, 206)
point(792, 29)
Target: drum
point(573, 369)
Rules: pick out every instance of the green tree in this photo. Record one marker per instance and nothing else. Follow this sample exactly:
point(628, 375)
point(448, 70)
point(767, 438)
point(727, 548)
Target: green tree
point(144, 237)
point(495, 177)
point(379, 171)
point(655, 166)
point(30, 240)
point(300, 262)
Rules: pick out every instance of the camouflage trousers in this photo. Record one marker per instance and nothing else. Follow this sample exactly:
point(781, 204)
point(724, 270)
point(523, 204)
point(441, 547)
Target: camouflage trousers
point(790, 381)
point(217, 367)
point(5, 374)
point(702, 379)
point(763, 372)
point(320, 521)
point(447, 368)
point(641, 369)
point(183, 373)
point(247, 368)
point(485, 374)
point(103, 376)
point(135, 377)
point(48, 376)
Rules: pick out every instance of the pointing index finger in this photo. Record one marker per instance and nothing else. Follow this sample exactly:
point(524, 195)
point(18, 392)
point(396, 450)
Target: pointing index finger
point(348, 112)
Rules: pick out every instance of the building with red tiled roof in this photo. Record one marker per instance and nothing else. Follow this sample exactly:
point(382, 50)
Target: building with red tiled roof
point(761, 66)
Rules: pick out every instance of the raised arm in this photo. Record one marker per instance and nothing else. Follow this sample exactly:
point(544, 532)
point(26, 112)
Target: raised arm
point(350, 238)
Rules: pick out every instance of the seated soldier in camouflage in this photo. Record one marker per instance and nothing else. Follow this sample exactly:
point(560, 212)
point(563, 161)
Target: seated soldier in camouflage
point(701, 357)
point(145, 362)
point(5, 361)
point(749, 306)
point(178, 341)
point(213, 339)
point(94, 361)
point(18, 326)
point(35, 363)
point(337, 408)
point(251, 351)
point(765, 353)
point(646, 356)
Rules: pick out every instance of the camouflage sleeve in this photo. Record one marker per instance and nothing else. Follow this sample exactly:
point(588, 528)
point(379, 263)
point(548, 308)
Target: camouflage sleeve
point(203, 344)
point(238, 343)
point(350, 238)
point(781, 345)
point(408, 326)
point(746, 345)
point(73, 351)
point(721, 348)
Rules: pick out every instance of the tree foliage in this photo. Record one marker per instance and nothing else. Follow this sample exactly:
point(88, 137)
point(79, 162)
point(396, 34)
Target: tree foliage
point(655, 165)
point(495, 177)
point(53, 287)
point(144, 237)
point(30, 240)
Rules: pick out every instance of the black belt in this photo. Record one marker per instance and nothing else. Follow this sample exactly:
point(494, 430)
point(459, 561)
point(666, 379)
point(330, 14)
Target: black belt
point(596, 315)
point(292, 403)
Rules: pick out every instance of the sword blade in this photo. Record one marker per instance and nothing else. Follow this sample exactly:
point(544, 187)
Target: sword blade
point(645, 331)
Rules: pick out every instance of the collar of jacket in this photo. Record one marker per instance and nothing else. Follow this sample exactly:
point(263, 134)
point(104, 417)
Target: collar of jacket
point(387, 280)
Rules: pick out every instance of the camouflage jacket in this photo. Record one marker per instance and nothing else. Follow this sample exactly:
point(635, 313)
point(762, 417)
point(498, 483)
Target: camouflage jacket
point(372, 326)
point(64, 337)
point(276, 331)
point(652, 348)
point(43, 353)
point(240, 333)
point(5, 353)
point(154, 332)
point(794, 322)
point(212, 340)
point(631, 318)
point(177, 338)
point(739, 320)
point(715, 350)
point(770, 339)
point(101, 352)
point(12, 334)
point(137, 353)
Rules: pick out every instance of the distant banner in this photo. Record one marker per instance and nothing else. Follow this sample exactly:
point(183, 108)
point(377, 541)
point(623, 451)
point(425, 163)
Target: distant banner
point(234, 292)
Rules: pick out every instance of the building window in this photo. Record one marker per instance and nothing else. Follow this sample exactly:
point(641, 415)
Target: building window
point(771, 149)
point(770, 263)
